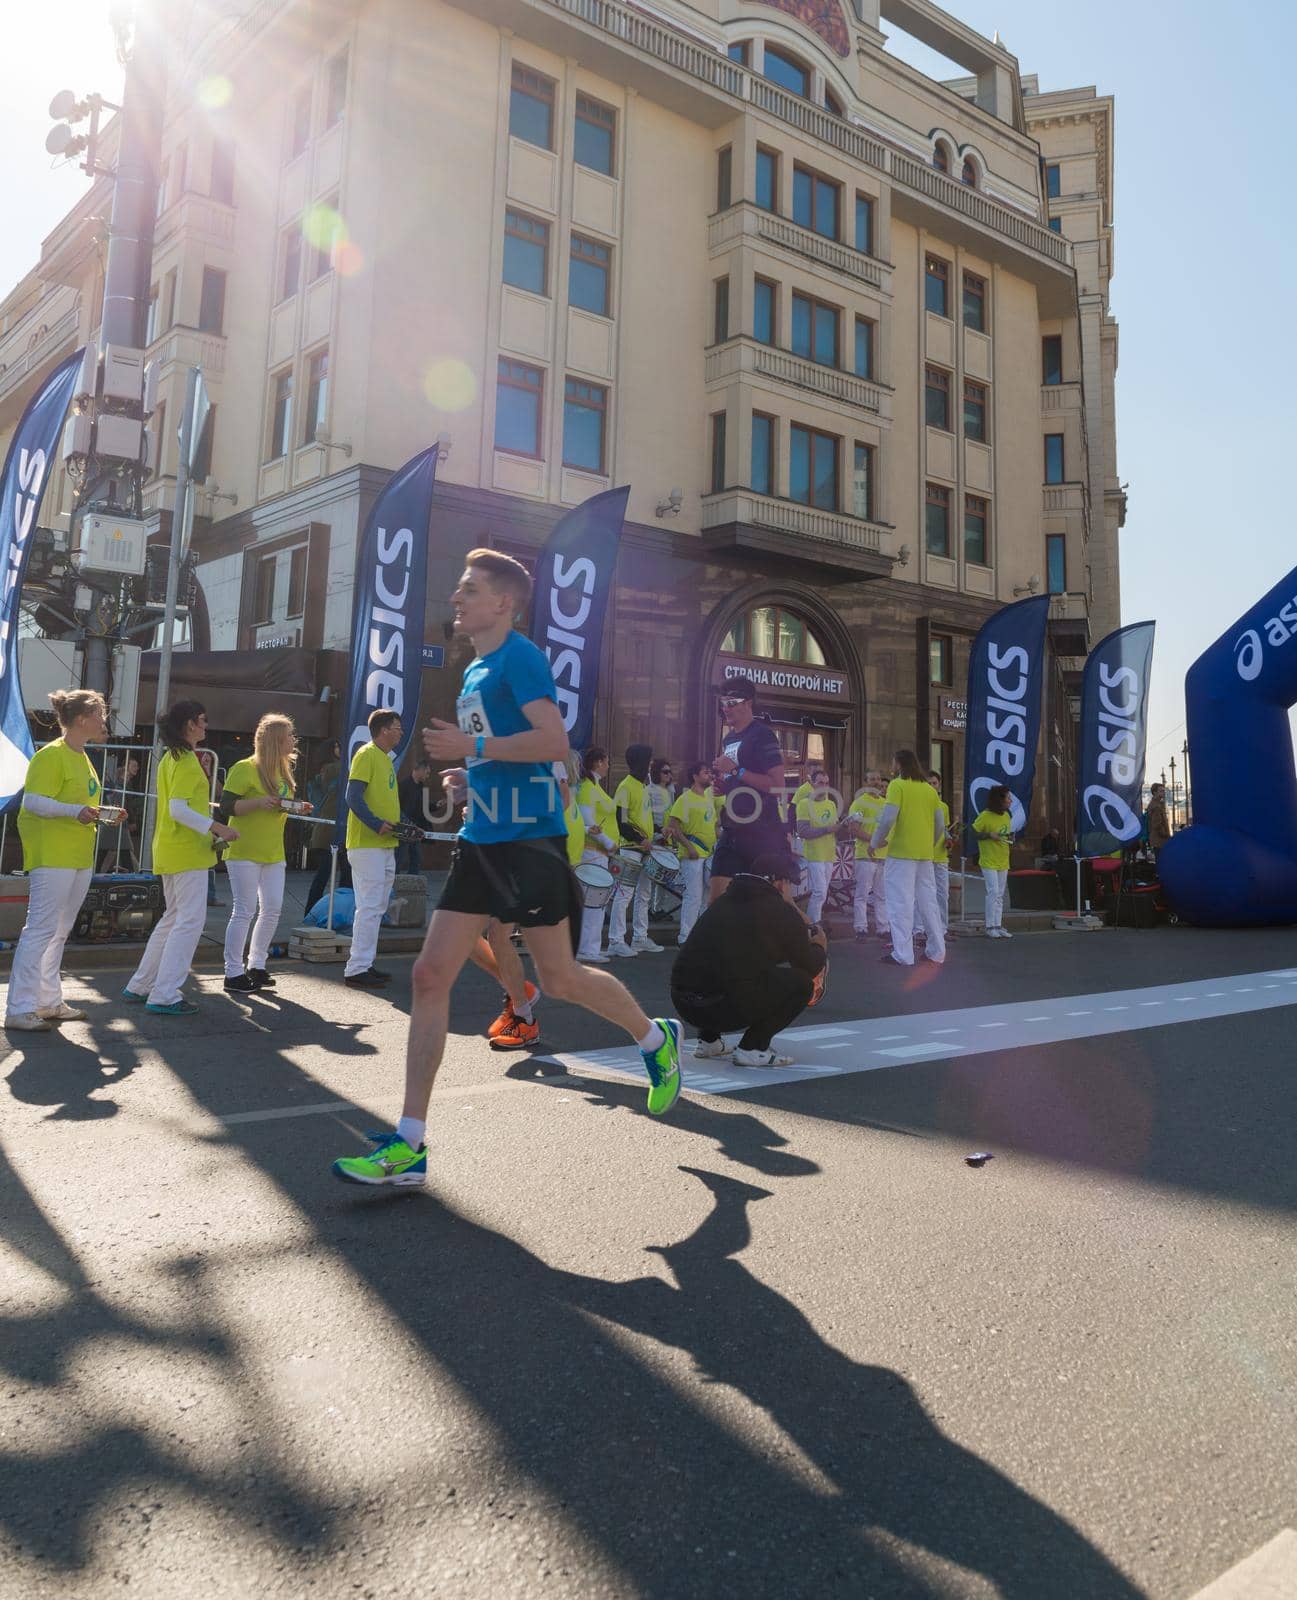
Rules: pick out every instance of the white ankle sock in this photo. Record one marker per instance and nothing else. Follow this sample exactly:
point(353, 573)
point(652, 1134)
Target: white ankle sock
point(412, 1131)
point(654, 1039)
point(524, 1011)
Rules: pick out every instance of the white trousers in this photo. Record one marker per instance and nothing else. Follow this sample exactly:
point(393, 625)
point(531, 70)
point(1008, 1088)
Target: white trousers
point(637, 902)
point(169, 954)
point(941, 881)
point(869, 886)
point(817, 875)
point(592, 920)
point(696, 875)
point(996, 881)
point(257, 886)
point(372, 872)
point(911, 889)
point(35, 983)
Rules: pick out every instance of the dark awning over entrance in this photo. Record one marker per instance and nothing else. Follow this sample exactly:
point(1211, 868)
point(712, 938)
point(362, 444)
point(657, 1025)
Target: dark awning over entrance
point(238, 687)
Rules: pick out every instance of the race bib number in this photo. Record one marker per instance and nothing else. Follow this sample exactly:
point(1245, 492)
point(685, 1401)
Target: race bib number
point(473, 720)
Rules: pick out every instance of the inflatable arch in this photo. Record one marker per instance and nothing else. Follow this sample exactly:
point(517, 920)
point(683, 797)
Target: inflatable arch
point(1237, 865)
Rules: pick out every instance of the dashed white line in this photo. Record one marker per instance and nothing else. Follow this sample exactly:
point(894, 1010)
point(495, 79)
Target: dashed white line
point(890, 1038)
point(1080, 1013)
point(1036, 1019)
point(992, 1024)
point(1116, 1008)
point(943, 1030)
point(1150, 1002)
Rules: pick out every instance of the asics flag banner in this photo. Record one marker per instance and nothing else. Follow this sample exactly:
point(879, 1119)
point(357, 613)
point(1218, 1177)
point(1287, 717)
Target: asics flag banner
point(26, 472)
point(1006, 673)
point(572, 586)
point(387, 613)
point(1114, 732)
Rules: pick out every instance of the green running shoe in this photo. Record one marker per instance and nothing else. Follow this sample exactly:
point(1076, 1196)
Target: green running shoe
point(663, 1068)
point(177, 1008)
point(391, 1162)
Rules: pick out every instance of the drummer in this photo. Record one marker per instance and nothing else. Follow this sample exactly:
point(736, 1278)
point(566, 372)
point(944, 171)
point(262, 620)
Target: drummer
point(691, 826)
point(635, 824)
point(600, 818)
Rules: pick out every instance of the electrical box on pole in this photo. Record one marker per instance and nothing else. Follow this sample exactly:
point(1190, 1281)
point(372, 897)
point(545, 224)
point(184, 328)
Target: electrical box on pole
point(111, 544)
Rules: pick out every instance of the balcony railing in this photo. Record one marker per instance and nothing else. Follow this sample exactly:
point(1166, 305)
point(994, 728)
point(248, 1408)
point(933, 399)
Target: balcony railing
point(787, 516)
point(38, 337)
point(1060, 397)
point(198, 216)
point(187, 347)
point(1063, 497)
point(746, 220)
point(1071, 606)
point(747, 355)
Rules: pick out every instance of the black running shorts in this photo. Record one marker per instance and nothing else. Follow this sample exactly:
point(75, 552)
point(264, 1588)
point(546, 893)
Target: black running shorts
point(527, 881)
point(738, 848)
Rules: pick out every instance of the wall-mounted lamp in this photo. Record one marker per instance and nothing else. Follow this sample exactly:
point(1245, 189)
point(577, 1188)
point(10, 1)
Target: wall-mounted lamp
point(903, 556)
point(213, 491)
point(444, 442)
point(670, 507)
point(1032, 586)
point(329, 442)
point(326, 694)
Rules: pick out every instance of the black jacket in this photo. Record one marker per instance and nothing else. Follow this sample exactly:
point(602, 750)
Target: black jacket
point(736, 942)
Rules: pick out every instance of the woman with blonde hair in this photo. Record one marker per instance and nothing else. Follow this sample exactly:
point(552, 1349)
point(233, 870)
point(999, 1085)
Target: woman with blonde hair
point(255, 791)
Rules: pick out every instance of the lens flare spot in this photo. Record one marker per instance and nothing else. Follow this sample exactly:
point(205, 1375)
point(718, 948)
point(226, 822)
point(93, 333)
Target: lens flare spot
point(449, 385)
point(323, 228)
point(215, 92)
point(348, 258)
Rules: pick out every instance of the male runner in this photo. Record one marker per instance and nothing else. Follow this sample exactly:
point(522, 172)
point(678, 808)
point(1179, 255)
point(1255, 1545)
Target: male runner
point(749, 775)
point(510, 862)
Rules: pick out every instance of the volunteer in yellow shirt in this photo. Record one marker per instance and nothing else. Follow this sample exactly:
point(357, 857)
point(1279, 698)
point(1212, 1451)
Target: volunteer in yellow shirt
point(864, 813)
point(941, 855)
point(373, 811)
point(600, 817)
point(910, 826)
point(60, 809)
point(817, 817)
point(255, 792)
point(635, 825)
point(994, 830)
point(691, 827)
point(800, 793)
point(183, 853)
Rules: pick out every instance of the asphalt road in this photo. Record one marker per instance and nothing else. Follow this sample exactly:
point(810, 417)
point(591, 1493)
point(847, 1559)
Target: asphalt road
point(785, 1343)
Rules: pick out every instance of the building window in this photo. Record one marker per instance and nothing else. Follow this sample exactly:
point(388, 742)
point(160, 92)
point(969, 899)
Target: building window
point(832, 104)
point(815, 202)
point(263, 600)
point(815, 331)
point(596, 136)
point(942, 752)
point(526, 252)
point(335, 96)
point(317, 394)
point(222, 184)
point(968, 174)
point(290, 268)
point(977, 513)
point(161, 204)
point(941, 654)
point(1054, 458)
point(202, 467)
point(724, 178)
point(862, 482)
point(531, 108)
point(865, 224)
point(297, 581)
point(864, 348)
point(813, 468)
point(936, 286)
point(974, 411)
point(1056, 563)
point(180, 168)
point(281, 414)
point(1051, 358)
point(158, 428)
point(767, 179)
point(171, 286)
point(718, 452)
point(772, 634)
point(787, 72)
point(1056, 224)
point(936, 398)
point(941, 156)
point(974, 303)
point(589, 275)
point(763, 454)
point(585, 411)
point(1053, 185)
point(151, 322)
point(300, 134)
point(328, 228)
point(742, 52)
point(211, 304)
point(936, 520)
point(519, 392)
point(764, 318)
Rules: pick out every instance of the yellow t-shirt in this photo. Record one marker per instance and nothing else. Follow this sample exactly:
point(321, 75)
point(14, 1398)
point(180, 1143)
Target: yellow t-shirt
point(177, 848)
point(373, 767)
point(819, 813)
point(590, 792)
point(261, 833)
point(574, 822)
point(66, 775)
point(867, 806)
point(941, 853)
point(914, 830)
point(802, 792)
point(696, 814)
point(994, 829)
point(632, 797)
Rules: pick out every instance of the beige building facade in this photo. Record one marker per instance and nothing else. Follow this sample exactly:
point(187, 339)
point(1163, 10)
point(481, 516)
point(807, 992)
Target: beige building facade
point(842, 328)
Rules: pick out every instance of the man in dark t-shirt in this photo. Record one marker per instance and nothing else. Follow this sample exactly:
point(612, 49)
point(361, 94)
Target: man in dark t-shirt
point(749, 778)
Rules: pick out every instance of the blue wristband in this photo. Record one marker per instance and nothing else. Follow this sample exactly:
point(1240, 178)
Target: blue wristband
point(477, 748)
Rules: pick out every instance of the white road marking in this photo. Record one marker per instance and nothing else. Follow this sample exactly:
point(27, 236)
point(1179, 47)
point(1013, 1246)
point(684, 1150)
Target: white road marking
point(1035, 1019)
point(943, 1030)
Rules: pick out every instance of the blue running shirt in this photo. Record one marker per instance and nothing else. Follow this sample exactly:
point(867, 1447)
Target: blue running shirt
point(508, 799)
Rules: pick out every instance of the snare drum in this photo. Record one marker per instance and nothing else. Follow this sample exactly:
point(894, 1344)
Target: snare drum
point(111, 816)
point(296, 808)
point(663, 867)
point(626, 867)
point(597, 885)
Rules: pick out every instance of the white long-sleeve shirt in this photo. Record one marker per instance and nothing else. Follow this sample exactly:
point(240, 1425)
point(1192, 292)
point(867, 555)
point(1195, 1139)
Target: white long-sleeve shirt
point(182, 812)
point(41, 805)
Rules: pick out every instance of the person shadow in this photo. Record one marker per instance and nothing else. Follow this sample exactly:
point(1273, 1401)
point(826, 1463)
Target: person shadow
point(57, 1069)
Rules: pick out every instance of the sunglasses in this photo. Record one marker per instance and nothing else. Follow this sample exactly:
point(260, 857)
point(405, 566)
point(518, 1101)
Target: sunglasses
point(729, 701)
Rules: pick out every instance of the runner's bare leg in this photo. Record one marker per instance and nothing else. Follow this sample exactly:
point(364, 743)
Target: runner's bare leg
point(447, 945)
point(513, 980)
point(562, 977)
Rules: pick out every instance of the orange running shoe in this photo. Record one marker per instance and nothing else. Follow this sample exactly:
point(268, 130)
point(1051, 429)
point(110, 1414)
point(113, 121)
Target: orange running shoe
point(506, 1019)
point(519, 1035)
point(818, 984)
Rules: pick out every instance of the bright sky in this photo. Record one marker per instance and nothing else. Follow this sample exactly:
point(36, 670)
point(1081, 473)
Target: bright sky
point(1204, 236)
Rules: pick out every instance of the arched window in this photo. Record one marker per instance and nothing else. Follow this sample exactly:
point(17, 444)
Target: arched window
point(787, 71)
point(772, 633)
point(832, 104)
point(940, 156)
point(969, 174)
